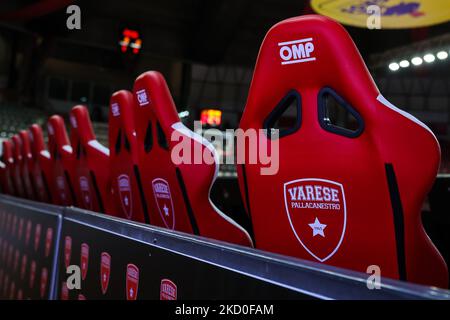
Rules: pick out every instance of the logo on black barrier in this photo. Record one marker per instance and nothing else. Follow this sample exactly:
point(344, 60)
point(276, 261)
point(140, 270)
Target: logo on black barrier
point(44, 280)
point(32, 273)
point(48, 241)
point(16, 260)
point(21, 222)
point(37, 236)
point(85, 192)
point(64, 291)
point(23, 267)
point(84, 260)
point(105, 270)
point(67, 250)
point(12, 291)
point(5, 284)
point(14, 225)
point(125, 195)
point(132, 282)
point(168, 290)
point(10, 255)
point(317, 214)
point(163, 199)
point(28, 232)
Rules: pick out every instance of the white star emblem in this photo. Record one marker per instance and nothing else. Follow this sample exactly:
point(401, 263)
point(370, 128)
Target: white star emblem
point(318, 228)
point(166, 210)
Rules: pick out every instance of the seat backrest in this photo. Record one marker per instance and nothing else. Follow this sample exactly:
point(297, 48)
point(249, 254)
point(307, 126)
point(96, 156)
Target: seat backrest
point(342, 195)
point(63, 162)
point(27, 163)
point(177, 193)
point(7, 168)
point(16, 167)
point(125, 179)
point(42, 166)
point(92, 163)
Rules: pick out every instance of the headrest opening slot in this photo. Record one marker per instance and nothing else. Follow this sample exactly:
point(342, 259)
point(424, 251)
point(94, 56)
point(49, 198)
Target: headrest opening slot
point(148, 141)
point(126, 143)
point(162, 140)
point(286, 116)
point(118, 142)
point(337, 116)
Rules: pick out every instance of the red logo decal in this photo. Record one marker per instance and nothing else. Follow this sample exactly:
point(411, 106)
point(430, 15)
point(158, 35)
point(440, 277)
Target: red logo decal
point(84, 260)
point(125, 195)
point(23, 267)
point(105, 269)
point(317, 213)
point(67, 250)
point(64, 291)
point(163, 198)
point(85, 192)
point(10, 255)
point(20, 295)
point(16, 260)
point(12, 291)
point(21, 222)
point(132, 282)
point(37, 236)
point(168, 290)
point(14, 224)
point(32, 273)
point(28, 232)
point(48, 241)
point(5, 284)
point(81, 297)
point(44, 278)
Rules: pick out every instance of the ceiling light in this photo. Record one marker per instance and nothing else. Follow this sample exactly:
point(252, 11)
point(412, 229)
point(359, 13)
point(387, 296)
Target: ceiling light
point(404, 63)
point(429, 58)
point(394, 66)
point(417, 61)
point(442, 55)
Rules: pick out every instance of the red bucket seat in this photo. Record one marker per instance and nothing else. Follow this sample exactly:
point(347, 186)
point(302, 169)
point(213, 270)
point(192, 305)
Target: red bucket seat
point(177, 193)
point(129, 201)
point(92, 163)
point(42, 166)
point(63, 162)
point(345, 195)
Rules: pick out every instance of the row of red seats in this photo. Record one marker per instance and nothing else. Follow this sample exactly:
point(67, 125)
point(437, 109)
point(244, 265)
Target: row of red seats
point(135, 179)
point(346, 198)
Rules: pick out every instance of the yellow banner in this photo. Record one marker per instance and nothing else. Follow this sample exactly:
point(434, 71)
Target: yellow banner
point(393, 14)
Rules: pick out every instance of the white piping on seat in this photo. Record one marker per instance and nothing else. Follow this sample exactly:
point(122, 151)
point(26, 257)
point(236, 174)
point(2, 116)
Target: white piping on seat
point(182, 129)
point(385, 102)
point(98, 146)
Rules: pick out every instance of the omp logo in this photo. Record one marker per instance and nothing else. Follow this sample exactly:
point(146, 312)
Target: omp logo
point(142, 97)
point(73, 121)
point(115, 110)
point(296, 51)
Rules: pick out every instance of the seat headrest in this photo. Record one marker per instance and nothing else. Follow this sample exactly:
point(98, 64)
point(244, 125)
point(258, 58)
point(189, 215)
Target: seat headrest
point(17, 147)
point(154, 101)
point(81, 126)
point(57, 134)
point(121, 111)
point(26, 146)
point(7, 153)
point(37, 139)
point(308, 52)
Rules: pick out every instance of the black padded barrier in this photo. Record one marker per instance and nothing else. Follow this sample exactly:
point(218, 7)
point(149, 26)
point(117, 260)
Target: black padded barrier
point(29, 239)
point(146, 262)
